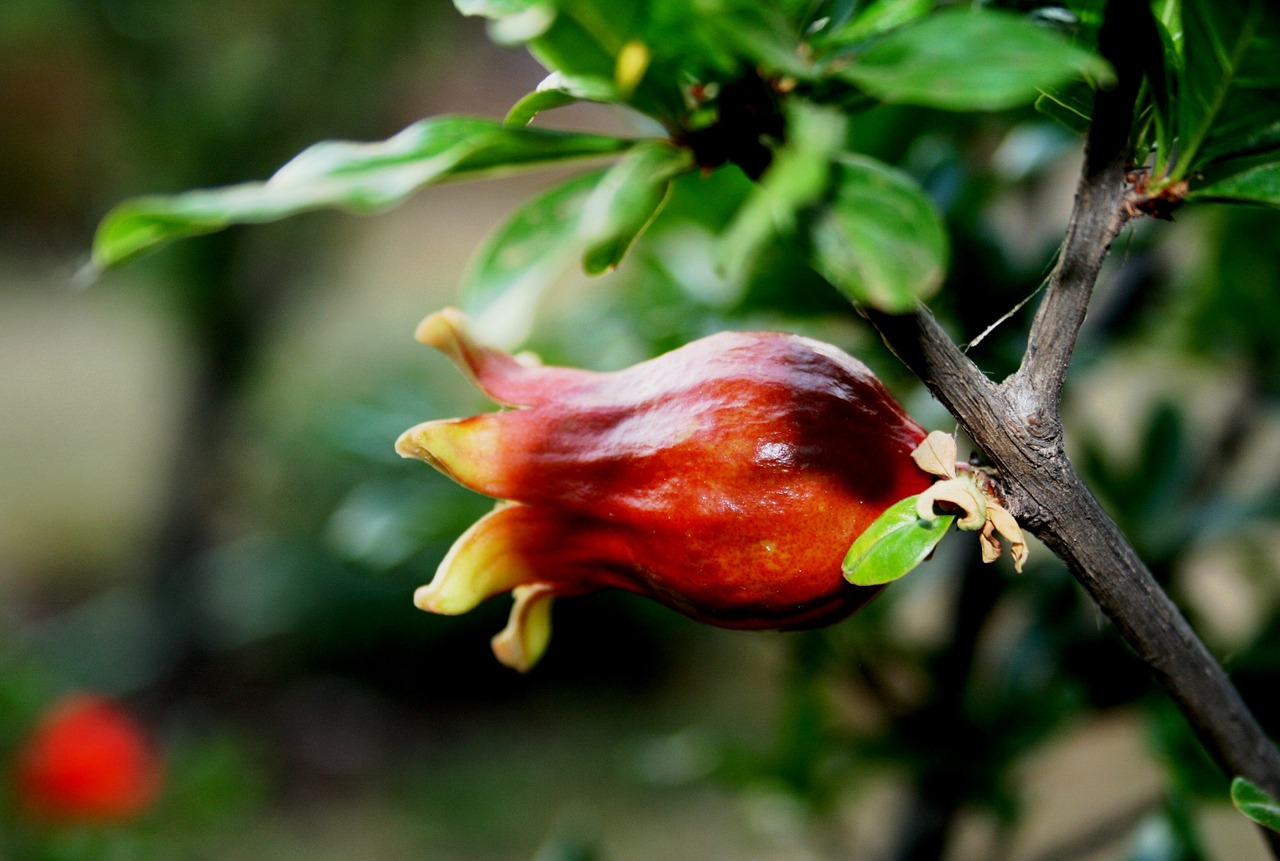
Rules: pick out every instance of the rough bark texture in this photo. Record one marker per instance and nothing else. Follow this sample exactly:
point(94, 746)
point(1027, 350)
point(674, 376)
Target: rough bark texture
point(1017, 424)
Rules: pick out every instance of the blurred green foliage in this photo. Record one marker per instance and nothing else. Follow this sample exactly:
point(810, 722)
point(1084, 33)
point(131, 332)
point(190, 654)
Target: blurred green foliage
point(945, 685)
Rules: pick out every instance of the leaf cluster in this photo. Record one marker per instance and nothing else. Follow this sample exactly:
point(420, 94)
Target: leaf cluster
point(768, 89)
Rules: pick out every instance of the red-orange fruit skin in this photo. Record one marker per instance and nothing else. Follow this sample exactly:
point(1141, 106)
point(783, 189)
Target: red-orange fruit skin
point(726, 479)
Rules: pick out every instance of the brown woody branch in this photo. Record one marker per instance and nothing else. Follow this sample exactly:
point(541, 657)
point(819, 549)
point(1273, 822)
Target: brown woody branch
point(1017, 423)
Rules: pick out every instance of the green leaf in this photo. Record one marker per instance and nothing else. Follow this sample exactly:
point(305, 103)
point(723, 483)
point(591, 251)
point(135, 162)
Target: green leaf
point(1067, 106)
point(1088, 12)
point(1230, 83)
point(358, 177)
point(1259, 186)
point(1162, 65)
point(558, 90)
point(528, 107)
point(970, 59)
point(761, 34)
point(593, 217)
point(798, 178)
point(585, 41)
point(626, 199)
point(894, 544)
point(524, 26)
point(496, 8)
point(1256, 804)
point(875, 18)
point(879, 240)
point(523, 257)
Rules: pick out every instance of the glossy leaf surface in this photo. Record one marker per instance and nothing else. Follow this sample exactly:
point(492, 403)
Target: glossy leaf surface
point(626, 199)
point(879, 240)
point(592, 218)
point(556, 91)
point(894, 544)
point(966, 60)
point(1259, 186)
point(1230, 81)
point(585, 40)
point(1256, 804)
point(358, 177)
point(495, 8)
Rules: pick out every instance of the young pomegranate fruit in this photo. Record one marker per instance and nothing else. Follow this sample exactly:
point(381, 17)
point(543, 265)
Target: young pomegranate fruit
point(86, 761)
point(725, 479)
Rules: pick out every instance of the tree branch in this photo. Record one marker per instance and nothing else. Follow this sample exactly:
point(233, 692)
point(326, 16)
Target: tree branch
point(1018, 425)
point(1044, 491)
point(1097, 218)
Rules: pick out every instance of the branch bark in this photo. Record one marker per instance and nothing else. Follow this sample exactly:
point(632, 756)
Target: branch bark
point(1098, 215)
point(1043, 490)
point(1017, 423)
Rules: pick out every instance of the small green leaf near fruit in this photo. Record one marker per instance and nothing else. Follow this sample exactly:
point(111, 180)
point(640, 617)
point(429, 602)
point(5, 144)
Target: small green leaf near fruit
point(893, 544)
point(1256, 804)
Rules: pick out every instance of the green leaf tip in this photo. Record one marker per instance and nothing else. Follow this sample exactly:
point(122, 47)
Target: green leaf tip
point(357, 177)
point(557, 90)
point(893, 545)
point(1256, 804)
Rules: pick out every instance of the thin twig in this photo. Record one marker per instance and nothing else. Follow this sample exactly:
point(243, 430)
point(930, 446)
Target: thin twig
point(1004, 318)
point(1097, 218)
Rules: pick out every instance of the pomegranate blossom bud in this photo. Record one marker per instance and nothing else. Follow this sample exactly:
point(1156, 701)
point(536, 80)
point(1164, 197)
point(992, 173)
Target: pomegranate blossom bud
point(725, 479)
point(86, 761)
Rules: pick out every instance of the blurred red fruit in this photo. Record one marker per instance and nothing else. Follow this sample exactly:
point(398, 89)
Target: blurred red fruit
point(86, 761)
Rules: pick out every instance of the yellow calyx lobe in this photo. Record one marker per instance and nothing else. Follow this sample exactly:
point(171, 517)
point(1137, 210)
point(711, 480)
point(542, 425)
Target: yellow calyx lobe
point(979, 510)
point(528, 631)
point(725, 479)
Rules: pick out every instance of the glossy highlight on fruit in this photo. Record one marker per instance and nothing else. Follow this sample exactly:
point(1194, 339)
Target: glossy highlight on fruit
point(87, 760)
point(725, 479)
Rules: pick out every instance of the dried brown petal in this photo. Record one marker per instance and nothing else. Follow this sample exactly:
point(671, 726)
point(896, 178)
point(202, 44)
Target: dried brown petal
point(937, 454)
point(960, 492)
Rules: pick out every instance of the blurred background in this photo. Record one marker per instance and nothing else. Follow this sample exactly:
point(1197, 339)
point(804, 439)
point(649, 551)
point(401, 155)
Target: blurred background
point(201, 515)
